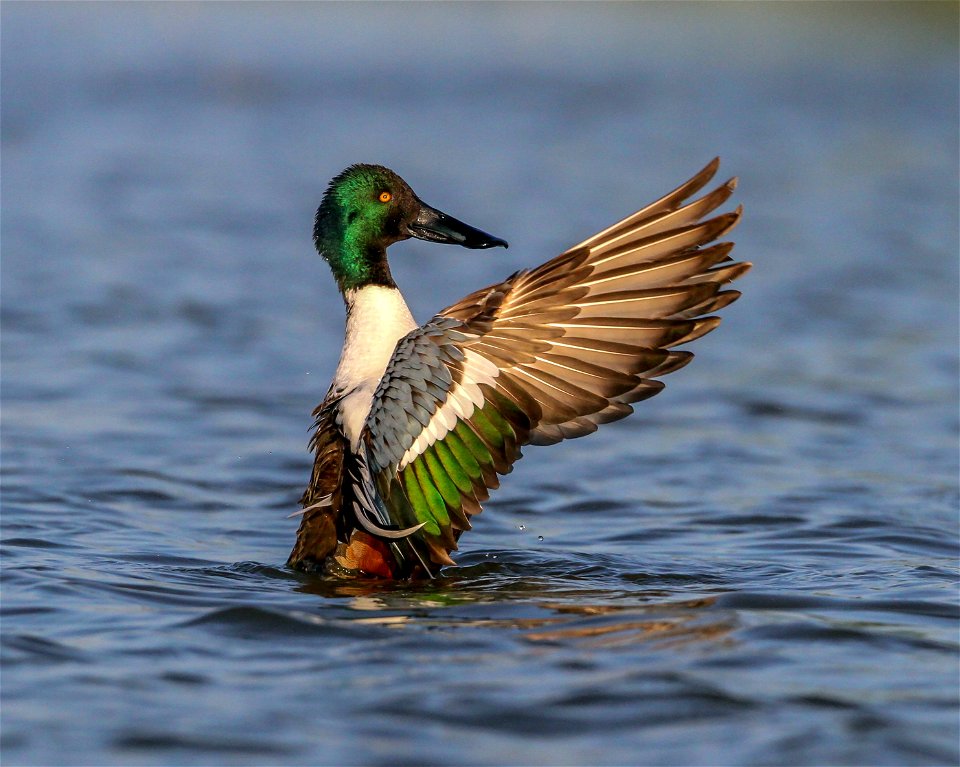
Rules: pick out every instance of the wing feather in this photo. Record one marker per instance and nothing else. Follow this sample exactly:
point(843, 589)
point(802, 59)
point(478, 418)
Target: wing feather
point(546, 355)
point(670, 201)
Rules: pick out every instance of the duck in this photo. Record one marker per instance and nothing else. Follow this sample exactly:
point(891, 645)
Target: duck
point(421, 421)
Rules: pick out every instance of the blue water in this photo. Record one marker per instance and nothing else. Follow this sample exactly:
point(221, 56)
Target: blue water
point(759, 567)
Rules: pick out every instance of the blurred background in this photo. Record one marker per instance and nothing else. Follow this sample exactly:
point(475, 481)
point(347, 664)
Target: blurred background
point(758, 567)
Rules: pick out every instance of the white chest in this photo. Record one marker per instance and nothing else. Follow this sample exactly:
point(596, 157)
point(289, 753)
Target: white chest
point(377, 318)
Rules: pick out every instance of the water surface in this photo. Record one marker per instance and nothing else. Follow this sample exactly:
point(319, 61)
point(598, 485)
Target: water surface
point(760, 567)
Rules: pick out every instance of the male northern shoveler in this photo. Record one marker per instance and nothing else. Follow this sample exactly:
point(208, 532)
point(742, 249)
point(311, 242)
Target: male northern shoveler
point(420, 420)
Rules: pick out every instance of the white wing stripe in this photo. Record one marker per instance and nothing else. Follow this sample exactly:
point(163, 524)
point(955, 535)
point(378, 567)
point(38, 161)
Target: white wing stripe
point(478, 368)
point(461, 401)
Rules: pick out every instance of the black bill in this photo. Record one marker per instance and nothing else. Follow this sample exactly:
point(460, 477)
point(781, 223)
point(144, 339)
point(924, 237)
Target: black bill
point(434, 226)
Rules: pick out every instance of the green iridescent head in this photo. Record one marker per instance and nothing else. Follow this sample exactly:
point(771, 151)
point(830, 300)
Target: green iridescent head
point(367, 208)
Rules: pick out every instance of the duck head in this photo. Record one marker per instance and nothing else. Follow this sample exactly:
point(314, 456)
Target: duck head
point(367, 208)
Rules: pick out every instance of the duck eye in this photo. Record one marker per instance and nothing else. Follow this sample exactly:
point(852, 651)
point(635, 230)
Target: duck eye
point(385, 197)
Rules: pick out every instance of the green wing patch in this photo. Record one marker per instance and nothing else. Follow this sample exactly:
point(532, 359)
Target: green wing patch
point(444, 485)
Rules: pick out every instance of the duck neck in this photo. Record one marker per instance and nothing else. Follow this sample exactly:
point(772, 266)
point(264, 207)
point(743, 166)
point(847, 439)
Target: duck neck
point(356, 265)
point(377, 317)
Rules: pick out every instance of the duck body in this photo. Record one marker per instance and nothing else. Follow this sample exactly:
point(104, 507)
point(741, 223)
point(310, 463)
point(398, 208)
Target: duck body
point(421, 420)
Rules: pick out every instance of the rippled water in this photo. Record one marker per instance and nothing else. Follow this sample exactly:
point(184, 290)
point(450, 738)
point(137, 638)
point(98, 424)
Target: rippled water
point(759, 567)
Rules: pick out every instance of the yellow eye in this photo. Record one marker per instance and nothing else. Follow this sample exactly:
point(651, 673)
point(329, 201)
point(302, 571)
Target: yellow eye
point(385, 196)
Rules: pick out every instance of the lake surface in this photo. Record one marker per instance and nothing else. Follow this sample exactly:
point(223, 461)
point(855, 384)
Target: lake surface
point(759, 567)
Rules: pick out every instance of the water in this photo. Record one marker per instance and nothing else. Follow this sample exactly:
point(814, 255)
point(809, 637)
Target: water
point(760, 567)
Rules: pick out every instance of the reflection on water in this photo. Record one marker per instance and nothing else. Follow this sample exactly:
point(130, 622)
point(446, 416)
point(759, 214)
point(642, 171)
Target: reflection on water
point(665, 625)
point(625, 625)
point(760, 567)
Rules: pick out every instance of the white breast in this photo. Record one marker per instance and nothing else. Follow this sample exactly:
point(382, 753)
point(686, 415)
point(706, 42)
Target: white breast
point(377, 317)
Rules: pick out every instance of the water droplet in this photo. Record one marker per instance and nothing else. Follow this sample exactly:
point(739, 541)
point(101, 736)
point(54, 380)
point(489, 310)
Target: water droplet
point(539, 537)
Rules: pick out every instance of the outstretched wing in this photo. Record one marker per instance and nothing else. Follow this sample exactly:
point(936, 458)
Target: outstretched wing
point(548, 354)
